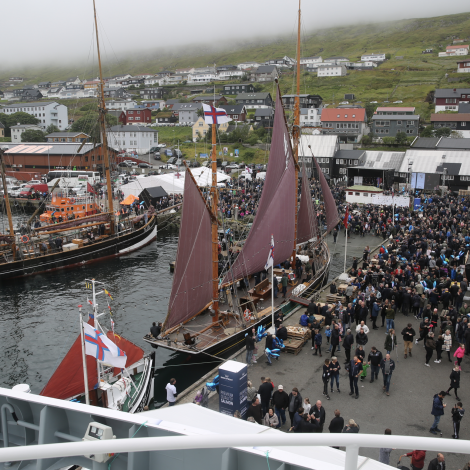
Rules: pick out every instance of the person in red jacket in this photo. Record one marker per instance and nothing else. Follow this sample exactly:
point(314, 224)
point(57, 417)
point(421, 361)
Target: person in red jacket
point(417, 459)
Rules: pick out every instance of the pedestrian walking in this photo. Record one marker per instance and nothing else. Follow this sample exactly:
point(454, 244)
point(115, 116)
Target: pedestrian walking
point(459, 353)
point(374, 359)
point(390, 341)
point(284, 280)
point(454, 381)
point(457, 415)
point(317, 340)
point(439, 346)
point(417, 459)
point(390, 317)
point(347, 344)
point(250, 346)
point(438, 463)
point(448, 343)
point(319, 413)
point(281, 403)
point(171, 393)
point(430, 346)
point(265, 391)
point(295, 402)
point(388, 366)
point(337, 423)
point(408, 334)
point(437, 411)
point(326, 378)
point(335, 367)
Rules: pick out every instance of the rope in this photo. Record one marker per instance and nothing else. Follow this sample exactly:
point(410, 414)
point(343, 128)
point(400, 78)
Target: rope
point(117, 455)
point(267, 459)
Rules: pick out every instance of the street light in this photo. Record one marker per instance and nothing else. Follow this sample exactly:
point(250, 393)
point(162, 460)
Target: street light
point(410, 167)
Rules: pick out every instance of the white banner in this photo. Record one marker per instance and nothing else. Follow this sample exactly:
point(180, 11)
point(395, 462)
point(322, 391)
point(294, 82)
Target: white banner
point(357, 180)
point(399, 201)
point(420, 180)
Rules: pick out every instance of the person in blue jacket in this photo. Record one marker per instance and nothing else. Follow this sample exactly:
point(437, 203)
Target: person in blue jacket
point(437, 411)
point(304, 319)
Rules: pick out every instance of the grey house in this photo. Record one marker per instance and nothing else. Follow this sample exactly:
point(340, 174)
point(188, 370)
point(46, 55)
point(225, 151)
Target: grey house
point(264, 117)
point(389, 126)
point(264, 73)
point(255, 100)
point(238, 88)
point(306, 101)
point(187, 112)
point(115, 93)
point(151, 93)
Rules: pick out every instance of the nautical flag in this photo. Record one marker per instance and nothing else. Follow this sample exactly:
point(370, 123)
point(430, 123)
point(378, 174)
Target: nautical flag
point(346, 218)
point(270, 262)
point(90, 302)
point(249, 170)
point(215, 115)
point(112, 325)
point(102, 348)
point(108, 294)
point(89, 189)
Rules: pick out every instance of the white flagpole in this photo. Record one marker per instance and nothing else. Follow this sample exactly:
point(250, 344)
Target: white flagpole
point(345, 248)
point(85, 371)
point(272, 293)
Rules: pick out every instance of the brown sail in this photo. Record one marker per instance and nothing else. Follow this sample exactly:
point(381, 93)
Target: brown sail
point(192, 282)
point(276, 211)
point(307, 225)
point(332, 217)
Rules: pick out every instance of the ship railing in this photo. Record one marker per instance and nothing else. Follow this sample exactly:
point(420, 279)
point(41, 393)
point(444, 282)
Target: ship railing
point(270, 444)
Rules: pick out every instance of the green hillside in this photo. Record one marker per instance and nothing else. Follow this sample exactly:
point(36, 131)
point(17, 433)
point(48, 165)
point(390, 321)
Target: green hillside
point(408, 79)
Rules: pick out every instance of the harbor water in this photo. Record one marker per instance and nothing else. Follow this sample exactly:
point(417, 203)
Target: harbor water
point(40, 320)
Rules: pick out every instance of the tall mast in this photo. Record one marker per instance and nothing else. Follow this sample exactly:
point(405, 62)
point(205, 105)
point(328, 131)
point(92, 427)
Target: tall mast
point(102, 112)
point(296, 136)
point(7, 202)
point(215, 234)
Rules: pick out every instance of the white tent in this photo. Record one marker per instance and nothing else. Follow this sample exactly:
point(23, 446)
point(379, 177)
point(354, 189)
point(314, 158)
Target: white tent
point(172, 183)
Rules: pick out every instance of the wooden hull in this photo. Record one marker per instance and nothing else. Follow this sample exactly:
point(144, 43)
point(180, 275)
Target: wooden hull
point(230, 344)
point(115, 246)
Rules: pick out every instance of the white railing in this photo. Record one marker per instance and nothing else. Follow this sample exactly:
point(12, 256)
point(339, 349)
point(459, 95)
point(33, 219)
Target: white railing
point(352, 442)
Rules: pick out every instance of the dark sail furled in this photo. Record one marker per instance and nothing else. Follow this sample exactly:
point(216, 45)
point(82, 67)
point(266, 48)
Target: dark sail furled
point(276, 211)
point(192, 282)
point(307, 225)
point(332, 217)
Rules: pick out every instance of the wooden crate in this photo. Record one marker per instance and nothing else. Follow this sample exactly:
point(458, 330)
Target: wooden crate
point(298, 332)
point(294, 346)
point(335, 297)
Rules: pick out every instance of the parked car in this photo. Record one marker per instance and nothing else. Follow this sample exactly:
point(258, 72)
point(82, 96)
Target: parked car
point(157, 156)
point(232, 166)
point(194, 164)
point(397, 102)
point(15, 191)
point(29, 190)
point(172, 160)
point(144, 165)
point(168, 166)
point(161, 145)
point(177, 153)
point(374, 102)
point(123, 164)
point(130, 162)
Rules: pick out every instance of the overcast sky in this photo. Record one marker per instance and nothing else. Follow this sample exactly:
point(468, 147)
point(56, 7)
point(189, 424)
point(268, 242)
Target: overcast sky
point(52, 29)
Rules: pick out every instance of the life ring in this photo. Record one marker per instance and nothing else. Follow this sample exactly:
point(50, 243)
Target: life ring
point(72, 201)
point(25, 239)
point(247, 315)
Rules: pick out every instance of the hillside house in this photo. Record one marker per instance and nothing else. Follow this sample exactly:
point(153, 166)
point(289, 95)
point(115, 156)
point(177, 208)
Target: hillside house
point(186, 112)
point(138, 116)
point(248, 65)
point(166, 119)
point(67, 137)
point(448, 99)
point(2, 130)
point(264, 117)
point(255, 100)
point(310, 117)
point(349, 124)
point(44, 84)
point(337, 60)
point(310, 60)
point(115, 93)
point(200, 128)
point(93, 84)
point(48, 112)
point(137, 138)
point(324, 147)
point(237, 112)
point(230, 74)
point(121, 105)
point(457, 50)
point(331, 70)
point(17, 131)
point(151, 81)
point(390, 125)
point(306, 101)
point(281, 62)
point(457, 122)
point(151, 93)
point(238, 88)
point(379, 57)
point(210, 100)
point(463, 66)
point(153, 104)
point(264, 73)
point(392, 110)
point(206, 77)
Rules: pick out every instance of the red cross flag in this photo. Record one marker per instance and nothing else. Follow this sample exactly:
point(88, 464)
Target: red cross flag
point(215, 115)
point(102, 348)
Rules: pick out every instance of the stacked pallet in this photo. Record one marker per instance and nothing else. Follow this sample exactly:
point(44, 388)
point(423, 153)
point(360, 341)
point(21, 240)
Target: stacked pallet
point(334, 298)
point(297, 336)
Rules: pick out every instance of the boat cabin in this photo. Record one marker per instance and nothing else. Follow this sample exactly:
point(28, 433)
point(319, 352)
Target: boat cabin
point(65, 208)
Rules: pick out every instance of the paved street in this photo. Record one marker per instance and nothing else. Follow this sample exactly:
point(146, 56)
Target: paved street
point(407, 411)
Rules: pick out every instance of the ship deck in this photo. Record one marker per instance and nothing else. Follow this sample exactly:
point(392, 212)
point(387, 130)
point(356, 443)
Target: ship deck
point(203, 333)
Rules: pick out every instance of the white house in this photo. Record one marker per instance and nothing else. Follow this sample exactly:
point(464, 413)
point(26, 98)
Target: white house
point(379, 57)
point(457, 50)
point(121, 105)
point(463, 66)
point(136, 138)
point(72, 93)
point(230, 74)
point(331, 70)
point(48, 112)
point(248, 65)
point(152, 81)
point(201, 77)
point(187, 112)
point(310, 117)
point(171, 80)
point(310, 60)
point(17, 130)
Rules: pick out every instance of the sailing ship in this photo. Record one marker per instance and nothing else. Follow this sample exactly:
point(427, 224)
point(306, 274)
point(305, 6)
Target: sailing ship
point(85, 379)
point(81, 240)
point(197, 322)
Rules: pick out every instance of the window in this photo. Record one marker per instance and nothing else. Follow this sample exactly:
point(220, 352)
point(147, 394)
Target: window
point(465, 178)
point(357, 194)
point(409, 131)
point(365, 194)
point(131, 118)
point(131, 112)
point(326, 171)
point(409, 123)
point(342, 171)
point(382, 123)
point(463, 124)
point(355, 162)
point(449, 177)
point(398, 123)
point(451, 100)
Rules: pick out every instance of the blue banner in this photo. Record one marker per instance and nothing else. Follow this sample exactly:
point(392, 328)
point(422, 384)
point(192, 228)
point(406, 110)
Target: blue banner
point(416, 203)
point(233, 388)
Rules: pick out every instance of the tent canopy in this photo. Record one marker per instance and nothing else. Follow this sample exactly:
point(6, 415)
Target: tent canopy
point(129, 200)
point(155, 192)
